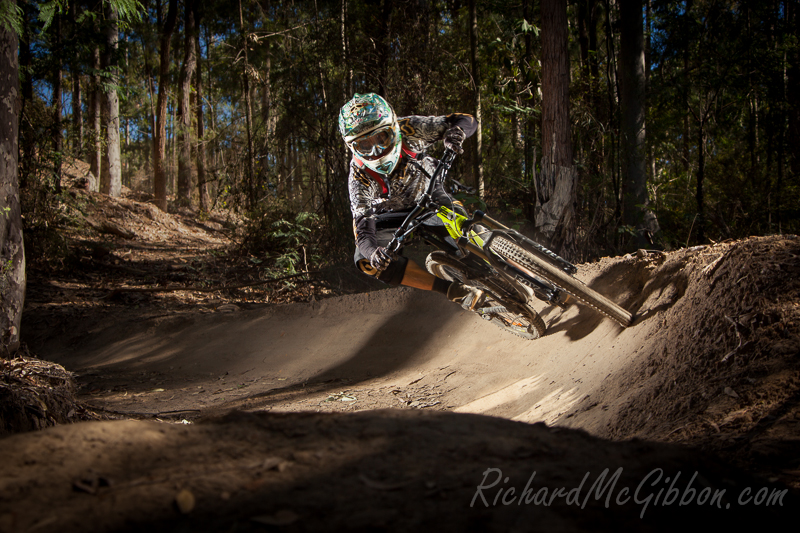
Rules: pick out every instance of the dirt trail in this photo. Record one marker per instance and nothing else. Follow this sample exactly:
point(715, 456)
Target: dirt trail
point(711, 361)
point(408, 348)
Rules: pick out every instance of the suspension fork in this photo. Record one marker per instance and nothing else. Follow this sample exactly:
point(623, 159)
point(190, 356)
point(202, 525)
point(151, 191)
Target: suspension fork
point(500, 267)
point(523, 241)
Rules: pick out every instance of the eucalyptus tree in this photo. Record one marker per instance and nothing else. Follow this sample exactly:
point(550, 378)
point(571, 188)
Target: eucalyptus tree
point(159, 136)
point(556, 186)
point(12, 254)
point(186, 176)
point(12, 250)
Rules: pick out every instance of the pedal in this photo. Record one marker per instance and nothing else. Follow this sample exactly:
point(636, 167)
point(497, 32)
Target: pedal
point(478, 297)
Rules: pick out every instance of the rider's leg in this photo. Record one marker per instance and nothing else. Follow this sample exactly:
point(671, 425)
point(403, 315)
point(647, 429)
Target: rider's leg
point(404, 271)
point(418, 278)
point(415, 276)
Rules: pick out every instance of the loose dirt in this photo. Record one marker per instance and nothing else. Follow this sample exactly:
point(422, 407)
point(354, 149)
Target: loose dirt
point(222, 410)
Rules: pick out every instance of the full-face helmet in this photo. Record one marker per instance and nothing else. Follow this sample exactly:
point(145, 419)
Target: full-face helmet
point(369, 128)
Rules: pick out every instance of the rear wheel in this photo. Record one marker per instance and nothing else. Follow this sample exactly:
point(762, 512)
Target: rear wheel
point(514, 317)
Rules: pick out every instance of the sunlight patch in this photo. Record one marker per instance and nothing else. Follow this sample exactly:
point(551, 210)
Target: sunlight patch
point(505, 395)
point(551, 407)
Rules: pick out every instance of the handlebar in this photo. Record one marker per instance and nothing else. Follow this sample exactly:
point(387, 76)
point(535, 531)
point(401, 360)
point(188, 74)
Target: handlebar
point(440, 174)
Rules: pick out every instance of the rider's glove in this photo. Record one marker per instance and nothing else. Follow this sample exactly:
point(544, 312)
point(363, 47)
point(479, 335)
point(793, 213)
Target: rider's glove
point(380, 258)
point(454, 138)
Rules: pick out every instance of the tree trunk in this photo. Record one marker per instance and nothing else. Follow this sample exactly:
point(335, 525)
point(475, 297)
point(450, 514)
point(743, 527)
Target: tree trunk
point(590, 71)
point(77, 114)
point(172, 145)
point(202, 186)
point(58, 137)
point(104, 179)
point(793, 91)
point(185, 174)
point(266, 115)
point(632, 95)
point(477, 161)
point(12, 249)
point(699, 193)
point(77, 108)
point(95, 122)
point(251, 193)
point(385, 50)
point(151, 91)
point(612, 90)
point(25, 62)
point(529, 125)
point(556, 187)
point(112, 182)
point(686, 87)
point(160, 137)
point(347, 81)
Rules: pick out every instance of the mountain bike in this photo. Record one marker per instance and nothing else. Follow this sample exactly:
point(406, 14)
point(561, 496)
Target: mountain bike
point(508, 270)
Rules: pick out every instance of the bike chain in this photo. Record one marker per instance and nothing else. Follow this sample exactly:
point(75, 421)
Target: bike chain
point(510, 250)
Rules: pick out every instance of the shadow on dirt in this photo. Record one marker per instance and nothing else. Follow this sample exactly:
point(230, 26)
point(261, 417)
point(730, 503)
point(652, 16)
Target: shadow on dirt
point(379, 470)
point(379, 354)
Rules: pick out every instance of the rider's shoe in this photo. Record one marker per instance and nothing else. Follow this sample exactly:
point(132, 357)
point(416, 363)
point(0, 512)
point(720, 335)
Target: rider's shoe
point(461, 294)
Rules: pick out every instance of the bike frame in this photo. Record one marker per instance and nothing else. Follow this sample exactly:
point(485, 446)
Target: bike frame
point(469, 242)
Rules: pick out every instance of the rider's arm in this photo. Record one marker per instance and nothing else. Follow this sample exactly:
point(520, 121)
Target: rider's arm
point(362, 195)
point(366, 239)
point(420, 132)
point(463, 121)
point(438, 194)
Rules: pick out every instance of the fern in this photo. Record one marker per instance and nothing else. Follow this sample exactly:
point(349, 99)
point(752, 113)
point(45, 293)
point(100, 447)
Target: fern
point(11, 17)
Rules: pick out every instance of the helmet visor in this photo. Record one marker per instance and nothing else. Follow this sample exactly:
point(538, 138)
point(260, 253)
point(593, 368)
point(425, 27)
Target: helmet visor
point(375, 144)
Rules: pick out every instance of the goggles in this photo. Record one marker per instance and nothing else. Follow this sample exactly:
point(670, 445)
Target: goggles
point(375, 144)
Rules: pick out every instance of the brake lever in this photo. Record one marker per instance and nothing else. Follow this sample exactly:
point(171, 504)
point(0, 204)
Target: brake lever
point(467, 189)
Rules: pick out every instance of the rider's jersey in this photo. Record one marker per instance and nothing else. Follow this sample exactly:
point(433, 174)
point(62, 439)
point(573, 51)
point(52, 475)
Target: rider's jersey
point(372, 194)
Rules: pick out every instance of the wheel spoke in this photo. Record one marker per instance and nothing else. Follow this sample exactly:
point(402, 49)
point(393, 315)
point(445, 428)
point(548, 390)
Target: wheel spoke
point(527, 324)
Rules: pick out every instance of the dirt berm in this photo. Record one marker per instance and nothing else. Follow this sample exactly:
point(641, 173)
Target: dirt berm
point(395, 410)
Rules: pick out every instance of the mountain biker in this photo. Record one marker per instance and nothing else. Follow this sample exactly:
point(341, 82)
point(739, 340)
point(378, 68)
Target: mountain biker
point(384, 186)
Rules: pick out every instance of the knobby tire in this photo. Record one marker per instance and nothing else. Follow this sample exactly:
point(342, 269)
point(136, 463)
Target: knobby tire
point(586, 295)
point(527, 324)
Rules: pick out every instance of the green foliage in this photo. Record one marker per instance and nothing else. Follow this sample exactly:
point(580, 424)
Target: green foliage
point(283, 241)
point(731, 67)
point(11, 17)
point(127, 10)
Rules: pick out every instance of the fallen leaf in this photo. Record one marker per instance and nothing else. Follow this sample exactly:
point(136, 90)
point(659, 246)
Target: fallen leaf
point(185, 501)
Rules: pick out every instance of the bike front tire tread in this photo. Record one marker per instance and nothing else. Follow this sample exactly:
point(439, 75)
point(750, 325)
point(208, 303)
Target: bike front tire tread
point(586, 295)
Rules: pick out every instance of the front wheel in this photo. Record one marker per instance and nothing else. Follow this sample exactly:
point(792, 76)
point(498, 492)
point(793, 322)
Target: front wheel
point(514, 317)
point(520, 258)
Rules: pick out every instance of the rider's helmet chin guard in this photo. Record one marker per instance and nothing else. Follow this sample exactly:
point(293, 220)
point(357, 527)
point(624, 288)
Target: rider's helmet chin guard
point(369, 127)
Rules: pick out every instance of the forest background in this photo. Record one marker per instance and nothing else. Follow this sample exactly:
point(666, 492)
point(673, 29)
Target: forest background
point(606, 125)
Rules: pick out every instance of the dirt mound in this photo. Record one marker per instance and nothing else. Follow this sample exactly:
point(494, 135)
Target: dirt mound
point(711, 362)
point(722, 368)
point(36, 394)
point(384, 470)
point(131, 216)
